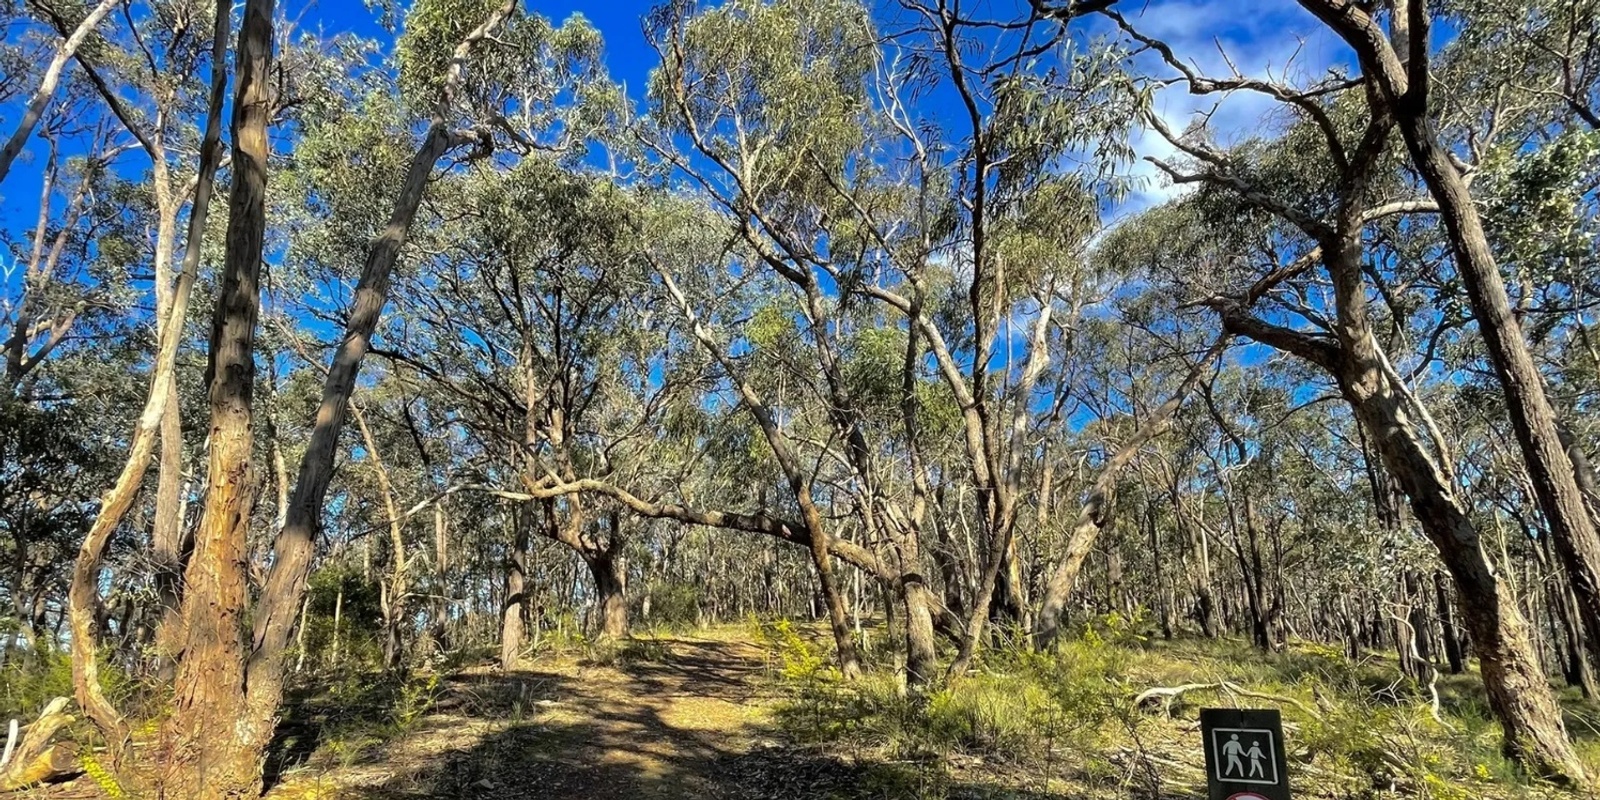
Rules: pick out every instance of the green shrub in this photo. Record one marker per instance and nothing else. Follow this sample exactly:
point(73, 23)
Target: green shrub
point(558, 632)
point(630, 650)
point(342, 588)
point(992, 714)
point(29, 682)
point(675, 606)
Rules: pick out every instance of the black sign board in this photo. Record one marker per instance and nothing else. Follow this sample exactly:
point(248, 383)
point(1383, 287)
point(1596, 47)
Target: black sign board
point(1244, 754)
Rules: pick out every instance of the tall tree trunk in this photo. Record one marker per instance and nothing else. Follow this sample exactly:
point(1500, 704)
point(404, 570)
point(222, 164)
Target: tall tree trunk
point(610, 585)
point(338, 624)
point(1519, 694)
point(1518, 691)
point(1574, 660)
point(922, 657)
point(1418, 620)
point(1447, 623)
point(1550, 468)
point(1163, 596)
point(212, 739)
point(166, 539)
point(1566, 634)
point(84, 588)
point(394, 594)
point(293, 547)
point(300, 636)
point(1200, 577)
point(1402, 83)
point(440, 612)
point(1250, 572)
point(1010, 603)
point(514, 608)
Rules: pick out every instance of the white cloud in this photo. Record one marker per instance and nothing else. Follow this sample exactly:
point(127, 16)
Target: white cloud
point(1265, 39)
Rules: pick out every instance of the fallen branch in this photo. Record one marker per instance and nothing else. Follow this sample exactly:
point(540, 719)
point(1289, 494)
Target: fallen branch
point(11, 744)
point(34, 758)
point(1170, 694)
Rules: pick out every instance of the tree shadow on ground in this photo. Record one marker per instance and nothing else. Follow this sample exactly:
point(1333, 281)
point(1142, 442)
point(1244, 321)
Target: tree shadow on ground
point(677, 727)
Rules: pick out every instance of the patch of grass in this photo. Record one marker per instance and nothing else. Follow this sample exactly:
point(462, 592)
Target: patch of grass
point(1066, 718)
point(1020, 716)
point(630, 650)
point(353, 717)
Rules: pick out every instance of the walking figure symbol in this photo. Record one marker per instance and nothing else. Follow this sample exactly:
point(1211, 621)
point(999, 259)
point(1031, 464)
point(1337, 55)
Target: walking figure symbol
point(1234, 749)
point(1255, 760)
point(1244, 751)
point(1246, 760)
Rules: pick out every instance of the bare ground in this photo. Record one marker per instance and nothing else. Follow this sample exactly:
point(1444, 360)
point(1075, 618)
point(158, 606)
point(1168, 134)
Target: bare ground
point(684, 717)
point(692, 722)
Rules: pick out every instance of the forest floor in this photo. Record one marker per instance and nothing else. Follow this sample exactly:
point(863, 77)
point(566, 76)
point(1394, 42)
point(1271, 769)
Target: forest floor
point(678, 717)
point(718, 714)
point(672, 716)
point(562, 726)
point(721, 715)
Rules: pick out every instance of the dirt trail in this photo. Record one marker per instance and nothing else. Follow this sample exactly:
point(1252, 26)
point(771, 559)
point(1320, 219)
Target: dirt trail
point(689, 721)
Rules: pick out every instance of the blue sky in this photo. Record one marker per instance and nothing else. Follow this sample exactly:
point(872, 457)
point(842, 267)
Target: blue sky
point(1261, 38)
point(627, 53)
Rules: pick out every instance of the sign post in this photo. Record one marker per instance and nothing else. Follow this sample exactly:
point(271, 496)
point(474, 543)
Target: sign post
point(1245, 757)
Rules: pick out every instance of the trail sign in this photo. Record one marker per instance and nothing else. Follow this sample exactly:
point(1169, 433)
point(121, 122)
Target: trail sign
point(1245, 757)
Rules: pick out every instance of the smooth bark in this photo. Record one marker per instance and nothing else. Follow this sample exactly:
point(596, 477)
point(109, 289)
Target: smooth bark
point(1095, 514)
point(294, 545)
point(159, 403)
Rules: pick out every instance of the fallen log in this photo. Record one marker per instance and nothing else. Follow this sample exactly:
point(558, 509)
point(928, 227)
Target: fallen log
point(31, 754)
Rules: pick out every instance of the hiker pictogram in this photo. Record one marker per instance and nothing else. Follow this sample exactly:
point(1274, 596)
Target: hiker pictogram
point(1234, 748)
point(1245, 758)
point(1248, 755)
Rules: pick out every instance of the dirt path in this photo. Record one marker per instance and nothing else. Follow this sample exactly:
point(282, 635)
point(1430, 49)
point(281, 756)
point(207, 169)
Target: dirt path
point(689, 721)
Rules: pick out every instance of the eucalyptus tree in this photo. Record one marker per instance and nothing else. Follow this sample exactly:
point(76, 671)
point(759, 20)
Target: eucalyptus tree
point(525, 319)
point(209, 712)
point(1397, 62)
point(181, 48)
point(1532, 162)
point(503, 73)
point(427, 68)
point(57, 286)
point(1138, 358)
point(1321, 217)
point(807, 137)
point(221, 724)
point(72, 38)
point(788, 92)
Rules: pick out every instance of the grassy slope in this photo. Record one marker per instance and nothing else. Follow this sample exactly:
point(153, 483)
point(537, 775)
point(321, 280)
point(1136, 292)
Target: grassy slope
point(1065, 723)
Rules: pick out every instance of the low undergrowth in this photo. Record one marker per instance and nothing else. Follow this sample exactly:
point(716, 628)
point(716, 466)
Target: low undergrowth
point(1070, 721)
